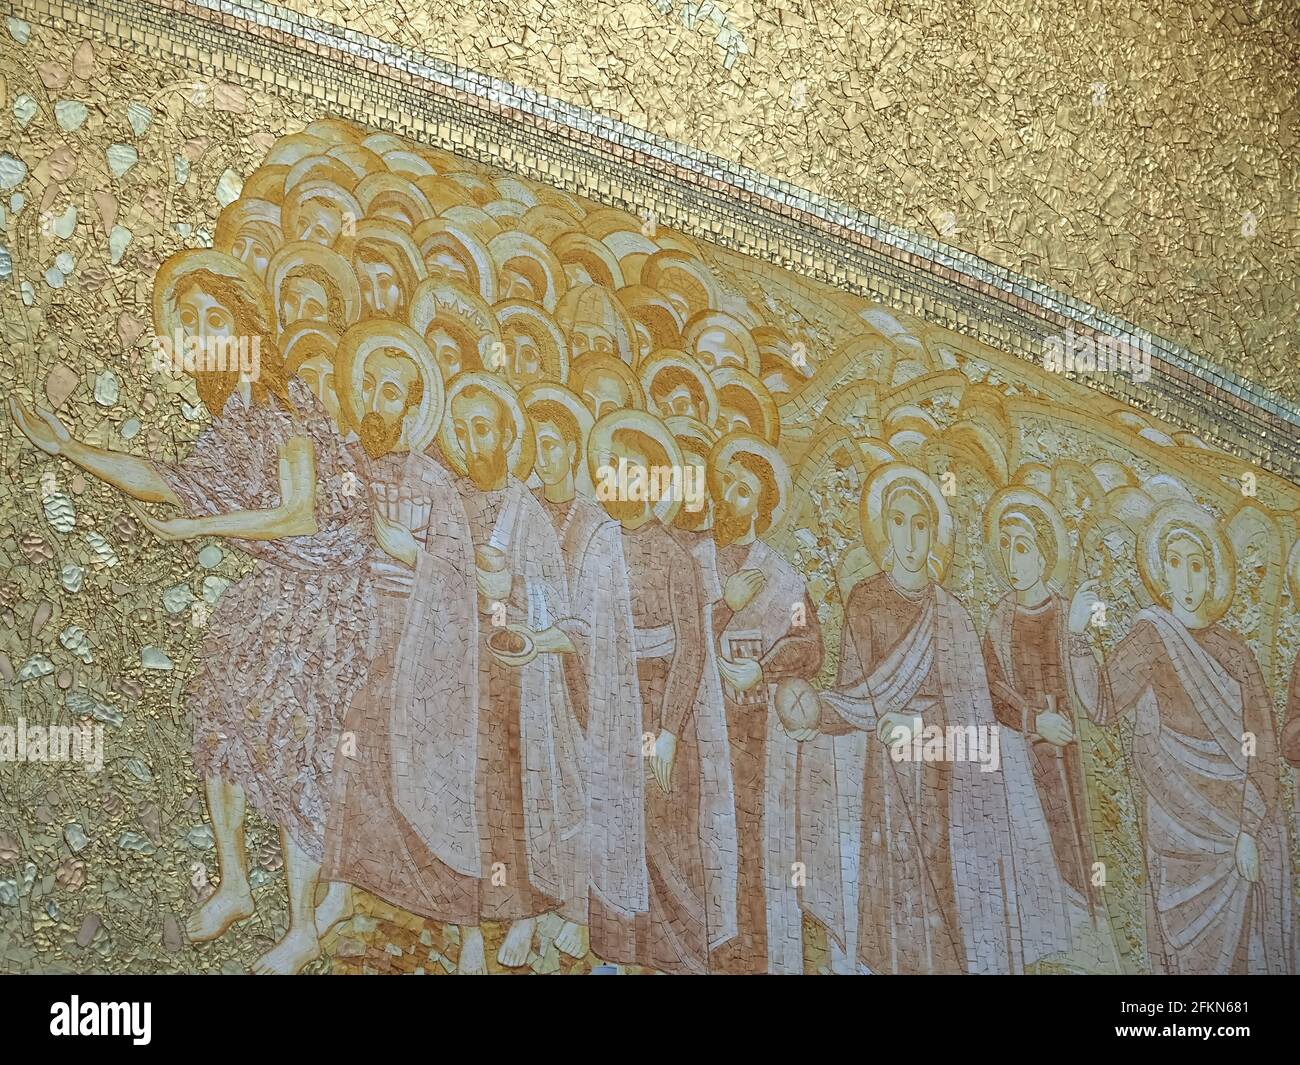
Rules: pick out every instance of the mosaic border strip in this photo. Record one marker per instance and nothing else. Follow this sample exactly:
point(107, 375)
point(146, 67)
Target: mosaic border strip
point(582, 152)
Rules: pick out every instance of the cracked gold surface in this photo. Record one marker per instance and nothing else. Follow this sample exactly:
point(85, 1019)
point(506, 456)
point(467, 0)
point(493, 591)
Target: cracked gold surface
point(971, 123)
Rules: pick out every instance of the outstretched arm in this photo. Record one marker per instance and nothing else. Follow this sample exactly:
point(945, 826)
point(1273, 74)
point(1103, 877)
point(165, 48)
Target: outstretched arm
point(294, 516)
point(127, 473)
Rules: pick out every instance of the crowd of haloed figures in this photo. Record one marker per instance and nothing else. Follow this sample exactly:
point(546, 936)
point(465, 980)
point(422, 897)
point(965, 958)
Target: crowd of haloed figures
point(462, 678)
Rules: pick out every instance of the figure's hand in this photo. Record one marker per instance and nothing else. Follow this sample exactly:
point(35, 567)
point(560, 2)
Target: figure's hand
point(41, 427)
point(897, 727)
point(741, 588)
point(741, 673)
point(661, 762)
point(1081, 607)
point(396, 539)
point(168, 529)
point(1054, 728)
point(1247, 857)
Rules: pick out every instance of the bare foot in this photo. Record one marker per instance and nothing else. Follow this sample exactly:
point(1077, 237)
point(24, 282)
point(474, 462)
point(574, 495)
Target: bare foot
point(572, 940)
point(473, 961)
point(225, 908)
point(518, 942)
point(296, 949)
point(336, 906)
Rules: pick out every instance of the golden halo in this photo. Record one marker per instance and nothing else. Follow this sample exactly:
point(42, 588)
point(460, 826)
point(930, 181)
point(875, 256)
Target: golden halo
point(381, 143)
point(527, 317)
point(727, 379)
point(1164, 519)
point(524, 447)
point(438, 235)
point(320, 168)
point(176, 269)
point(296, 199)
point(592, 304)
point(392, 241)
point(309, 254)
point(335, 131)
point(265, 183)
point(668, 359)
point(546, 222)
point(247, 211)
point(592, 362)
point(350, 373)
point(600, 450)
point(740, 443)
point(289, 149)
point(305, 340)
point(361, 161)
point(461, 311)
point(377, 191)
point(597, 258)
point(1036, 507)
point(882, 483)
point(549, 392)
point(734, 328)
point(512, 247)
point(408, 164)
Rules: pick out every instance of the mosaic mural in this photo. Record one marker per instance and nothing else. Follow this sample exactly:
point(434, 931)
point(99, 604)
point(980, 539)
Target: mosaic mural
point(415, 567)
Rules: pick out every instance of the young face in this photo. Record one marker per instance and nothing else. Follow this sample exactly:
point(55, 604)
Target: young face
point(444, 266)
point(518, 285)
point(555, 455)
point(587, 336)
point(1188, 574)
point(523, 359)
point(733, 418)
point(679, 401)
point(303, 299)
point(317, 373)
point(1024, 563)
point(446, 350)
point(251, 251)
point(737, 505)
point(907, 524)
point(715, 348)
point(604, 392)
point(319, 221)
point(381, 290)
point(479, 426)
point(630, 513)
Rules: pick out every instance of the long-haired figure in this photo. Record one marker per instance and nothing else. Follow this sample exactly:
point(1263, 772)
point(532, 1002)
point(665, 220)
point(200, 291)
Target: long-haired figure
point(287, 646)
point(1205, 755)
point(957, 873)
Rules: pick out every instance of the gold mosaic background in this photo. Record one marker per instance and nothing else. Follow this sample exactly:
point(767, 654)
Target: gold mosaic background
point(103, 870)
point(1112, 152)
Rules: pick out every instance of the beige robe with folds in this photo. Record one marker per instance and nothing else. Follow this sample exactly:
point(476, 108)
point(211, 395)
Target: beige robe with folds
point(764, 760)
point(948, 852)
point(606, 699)
point(403, 823)
point(667, 614)
point(531, 807)
point(1194, 695)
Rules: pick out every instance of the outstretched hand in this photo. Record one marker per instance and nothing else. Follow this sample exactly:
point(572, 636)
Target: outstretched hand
point(168, 529)
point(41, 427)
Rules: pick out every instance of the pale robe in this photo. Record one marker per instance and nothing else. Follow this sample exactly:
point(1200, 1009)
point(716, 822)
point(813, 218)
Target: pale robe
point(764, 759)
point(531, 808)
point(403, 823)
point(1194, 695)
point(1291, 728)
point(956, 870)
point(606, 698)
point(668, 618)
point(1028, 656)
point(718, 830)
